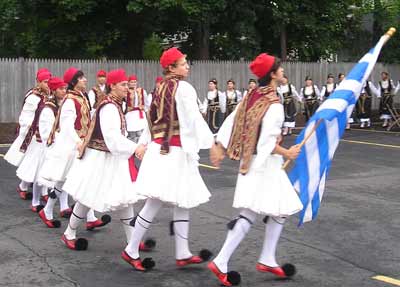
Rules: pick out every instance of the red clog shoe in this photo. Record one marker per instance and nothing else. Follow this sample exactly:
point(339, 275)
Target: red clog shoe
point(75, 244)
point(51, 223)
point(284, 271)
point(105, 219)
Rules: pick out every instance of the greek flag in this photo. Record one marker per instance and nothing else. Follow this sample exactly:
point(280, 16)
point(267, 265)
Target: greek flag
point(323, 132)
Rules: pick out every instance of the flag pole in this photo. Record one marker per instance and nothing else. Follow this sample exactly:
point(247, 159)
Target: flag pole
point(303, 142)
point(387, 36)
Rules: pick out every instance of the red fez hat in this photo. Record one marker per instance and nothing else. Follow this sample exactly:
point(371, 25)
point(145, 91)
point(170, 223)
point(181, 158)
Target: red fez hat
point(170, 56)
point(43, 76)
point(55, 83)
point(116, 76)
point(69, 74)
point(41, 70)
point(101, 73)
point(262, 65)
point(159, 79)
point(132, 78)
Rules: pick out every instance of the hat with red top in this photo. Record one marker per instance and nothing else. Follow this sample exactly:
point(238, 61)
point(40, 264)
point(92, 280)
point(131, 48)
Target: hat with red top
point(101, 73)
point(170, 56)
point(42, 76)
point(116, 76)
point(132, 78)
point(159, 79)
point(262, 64)
point(69, 74)
point(41, 70)
point(56, 83)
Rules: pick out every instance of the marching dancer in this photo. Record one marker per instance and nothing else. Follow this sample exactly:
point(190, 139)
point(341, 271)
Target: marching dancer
point(177, 131)
point(233, 97)
point(310, 95)
point(289, 95)
point(69, 129)
point(46, 121)
point(97, 93)
point(364, 103)
point(216, 106)
point(387, 89)
point(251, 134)
point(32, 101)
point(135, 111)
point(328, 88)
point(100, 178)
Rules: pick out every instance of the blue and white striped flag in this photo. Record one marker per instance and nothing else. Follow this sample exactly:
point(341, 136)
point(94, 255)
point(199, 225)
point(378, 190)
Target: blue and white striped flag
point(311, 169)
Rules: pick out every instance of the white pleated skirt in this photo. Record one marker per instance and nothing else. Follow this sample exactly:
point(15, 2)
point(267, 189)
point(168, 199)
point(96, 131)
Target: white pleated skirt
point(14, 156)
point(101, 181)
point(173, 178)
point(267, 190)
point(56, 164)
point(30, 165)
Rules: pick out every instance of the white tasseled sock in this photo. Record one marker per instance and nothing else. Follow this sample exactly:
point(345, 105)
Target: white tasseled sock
point(77, 216)
point(23, 185)
point(125, 217)
point(143, 222)
point(273, 230)
point(36, 194)
point(49, 208)
point(233, 239)
point(181, 230)
point(90, 216)
point(63, 198)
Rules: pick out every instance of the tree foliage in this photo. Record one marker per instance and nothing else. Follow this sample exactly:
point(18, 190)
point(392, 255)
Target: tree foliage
point(306, 30)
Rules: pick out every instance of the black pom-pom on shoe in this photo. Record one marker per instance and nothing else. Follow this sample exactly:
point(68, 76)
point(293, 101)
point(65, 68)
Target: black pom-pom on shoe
point(148, 263)
point(234, 277)
point(150, 243)
point(81, 244)
point(106, 219)
point(56, 223)
point(289, 269)
point(205, 254)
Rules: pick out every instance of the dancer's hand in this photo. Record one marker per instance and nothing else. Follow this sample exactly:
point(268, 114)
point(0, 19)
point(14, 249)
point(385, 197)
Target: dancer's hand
point(293, 152)
point(217, 154)
point(140, 151)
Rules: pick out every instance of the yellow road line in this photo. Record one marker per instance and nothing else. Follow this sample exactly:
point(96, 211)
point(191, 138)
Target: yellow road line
point(208, 166)
point(387, 280)
point(5, 145)
point(370, 143)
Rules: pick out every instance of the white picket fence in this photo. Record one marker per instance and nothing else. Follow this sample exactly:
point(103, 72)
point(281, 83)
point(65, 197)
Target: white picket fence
point(18, 75)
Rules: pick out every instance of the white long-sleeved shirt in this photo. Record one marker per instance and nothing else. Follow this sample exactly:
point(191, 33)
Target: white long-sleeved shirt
point(282, 89)
point(385, 84)
point(46, 121)
point(231, 95)
point(28, 113)
point(327, 88)
point(306, 92)
point(271, 128)
point(221, 98)
point(194, 131)
point(110, 125)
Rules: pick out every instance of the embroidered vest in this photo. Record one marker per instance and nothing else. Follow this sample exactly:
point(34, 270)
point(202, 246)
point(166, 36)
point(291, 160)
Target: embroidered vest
point(247, 125)
point(163, 117)
point(82, 120)
point(94, 138)
point(131, 100)
point(35, 122)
